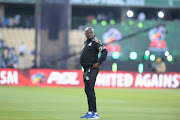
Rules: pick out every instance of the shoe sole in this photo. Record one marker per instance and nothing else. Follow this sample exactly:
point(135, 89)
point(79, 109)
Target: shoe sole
point(94, 118)
point(83, 117)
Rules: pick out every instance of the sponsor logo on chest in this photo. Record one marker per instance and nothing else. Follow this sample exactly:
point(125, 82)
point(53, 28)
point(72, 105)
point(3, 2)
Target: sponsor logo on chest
point(90, 44)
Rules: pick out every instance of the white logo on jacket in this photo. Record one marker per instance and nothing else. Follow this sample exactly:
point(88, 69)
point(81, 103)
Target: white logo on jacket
point(90, 44)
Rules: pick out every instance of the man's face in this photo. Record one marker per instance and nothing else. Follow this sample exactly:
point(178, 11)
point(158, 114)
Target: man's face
point(89, 33)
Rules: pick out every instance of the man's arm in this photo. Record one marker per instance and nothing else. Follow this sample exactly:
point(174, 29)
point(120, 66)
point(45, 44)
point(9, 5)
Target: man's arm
point(101, 59)
point(103, 56)
point(103, 51)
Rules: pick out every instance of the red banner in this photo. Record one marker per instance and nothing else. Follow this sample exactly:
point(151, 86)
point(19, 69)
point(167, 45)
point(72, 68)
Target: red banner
point(105, 79)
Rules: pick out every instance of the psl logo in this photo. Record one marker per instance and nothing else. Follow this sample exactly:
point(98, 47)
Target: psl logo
point(38, 78)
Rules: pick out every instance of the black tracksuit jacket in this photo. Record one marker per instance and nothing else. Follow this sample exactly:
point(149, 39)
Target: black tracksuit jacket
point(89, 54)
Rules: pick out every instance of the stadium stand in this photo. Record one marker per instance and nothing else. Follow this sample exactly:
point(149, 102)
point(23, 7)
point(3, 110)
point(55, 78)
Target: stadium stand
point(13, 37)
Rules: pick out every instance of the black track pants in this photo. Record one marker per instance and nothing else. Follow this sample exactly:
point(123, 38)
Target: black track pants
point(89, 81)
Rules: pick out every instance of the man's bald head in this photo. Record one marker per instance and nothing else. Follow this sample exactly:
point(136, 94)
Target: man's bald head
point(89, 32)
point(88, 28)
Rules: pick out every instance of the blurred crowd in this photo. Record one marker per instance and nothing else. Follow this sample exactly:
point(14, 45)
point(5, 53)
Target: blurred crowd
point(8, 58)
point(159, 65)
point(15, 21)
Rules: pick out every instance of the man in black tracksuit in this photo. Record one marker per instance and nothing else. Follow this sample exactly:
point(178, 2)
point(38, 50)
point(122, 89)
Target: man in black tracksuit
point(90, 62)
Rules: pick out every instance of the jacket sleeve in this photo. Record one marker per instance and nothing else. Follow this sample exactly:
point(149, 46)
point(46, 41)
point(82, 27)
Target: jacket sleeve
point(103, 51)
point(103, 56)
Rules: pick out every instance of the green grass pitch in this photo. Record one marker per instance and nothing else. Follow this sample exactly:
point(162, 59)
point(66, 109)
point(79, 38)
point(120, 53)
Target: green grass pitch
point(35, 103)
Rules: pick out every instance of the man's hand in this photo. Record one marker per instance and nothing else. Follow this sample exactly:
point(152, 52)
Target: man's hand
point(96, 65)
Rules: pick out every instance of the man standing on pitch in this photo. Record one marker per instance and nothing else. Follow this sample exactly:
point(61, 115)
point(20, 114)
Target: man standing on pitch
point(90, 62)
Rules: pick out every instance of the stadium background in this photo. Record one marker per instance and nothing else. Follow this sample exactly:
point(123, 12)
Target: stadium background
point(45, 81)
point(35, 18)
